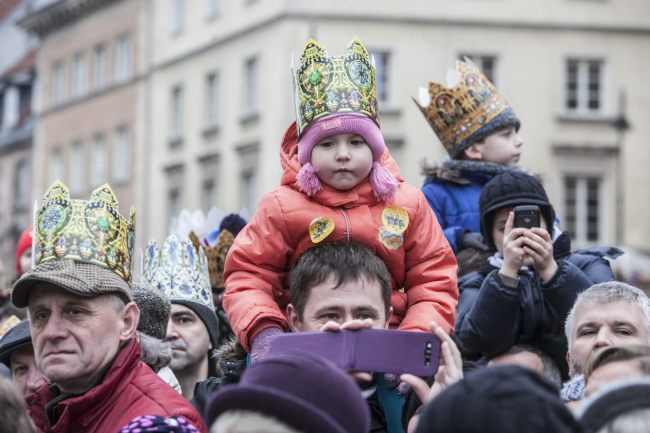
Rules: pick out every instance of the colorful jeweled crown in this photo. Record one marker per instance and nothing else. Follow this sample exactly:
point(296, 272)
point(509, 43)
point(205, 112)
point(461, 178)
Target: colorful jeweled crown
point(179, 270)
point(456, 113)
point(216, 255)
point(91, 231)
point(326, 85)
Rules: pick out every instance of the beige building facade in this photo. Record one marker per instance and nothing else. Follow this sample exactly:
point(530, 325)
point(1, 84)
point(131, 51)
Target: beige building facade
point(91, 91)
point(221, 96)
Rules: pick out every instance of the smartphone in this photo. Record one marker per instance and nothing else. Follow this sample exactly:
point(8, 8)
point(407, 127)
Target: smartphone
point(527, 216)
point(372, 350)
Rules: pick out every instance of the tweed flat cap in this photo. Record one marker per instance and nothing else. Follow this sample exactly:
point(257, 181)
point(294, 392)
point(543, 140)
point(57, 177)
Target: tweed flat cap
point(80, 278)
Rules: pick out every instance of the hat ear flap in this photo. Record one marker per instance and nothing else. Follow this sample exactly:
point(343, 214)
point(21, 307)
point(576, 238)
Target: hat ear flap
point(307, 180)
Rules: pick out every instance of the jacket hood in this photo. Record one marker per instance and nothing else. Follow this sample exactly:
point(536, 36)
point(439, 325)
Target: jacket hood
point(291, 166)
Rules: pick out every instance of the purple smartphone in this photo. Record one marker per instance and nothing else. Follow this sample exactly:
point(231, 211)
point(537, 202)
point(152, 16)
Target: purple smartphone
point(376, 350)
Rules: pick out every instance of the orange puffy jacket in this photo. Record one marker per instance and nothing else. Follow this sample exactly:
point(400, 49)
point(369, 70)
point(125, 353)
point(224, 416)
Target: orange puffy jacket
point(258, 264)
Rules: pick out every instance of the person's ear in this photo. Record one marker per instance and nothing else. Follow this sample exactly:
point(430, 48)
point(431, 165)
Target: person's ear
point(292, 317)
point(129, 316)
point(474, 152)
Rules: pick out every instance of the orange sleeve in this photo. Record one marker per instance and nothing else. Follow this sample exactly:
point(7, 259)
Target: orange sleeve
point(254, 272)
point(431, 283)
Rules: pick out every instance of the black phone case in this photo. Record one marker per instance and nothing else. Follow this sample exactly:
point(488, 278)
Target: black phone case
point(527, 217)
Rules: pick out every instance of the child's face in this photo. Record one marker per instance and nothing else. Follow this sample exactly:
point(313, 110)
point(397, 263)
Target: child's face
point(342, 161)
point(501, 147)
point(499, 225)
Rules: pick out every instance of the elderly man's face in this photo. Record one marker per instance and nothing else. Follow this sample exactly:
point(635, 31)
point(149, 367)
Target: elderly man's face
point(189, 338)
point(599, 325)
point(74, 337)
point(359, 299)
point(24, 372)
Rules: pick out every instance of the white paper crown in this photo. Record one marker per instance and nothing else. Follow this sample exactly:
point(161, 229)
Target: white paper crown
point(178, 270)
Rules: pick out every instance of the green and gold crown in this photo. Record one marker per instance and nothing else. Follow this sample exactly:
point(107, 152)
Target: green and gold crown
point(91, 231)
point(459, 112)
point(326, 85)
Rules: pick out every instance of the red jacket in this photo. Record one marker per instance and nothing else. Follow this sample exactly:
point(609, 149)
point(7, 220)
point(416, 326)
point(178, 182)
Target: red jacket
point(258, 263)
point(129, 389)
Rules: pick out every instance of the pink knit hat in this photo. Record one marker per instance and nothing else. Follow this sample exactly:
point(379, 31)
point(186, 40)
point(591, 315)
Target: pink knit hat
point(382, 180)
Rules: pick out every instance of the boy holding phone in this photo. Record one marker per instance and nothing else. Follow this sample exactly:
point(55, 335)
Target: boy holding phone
point(523, 292)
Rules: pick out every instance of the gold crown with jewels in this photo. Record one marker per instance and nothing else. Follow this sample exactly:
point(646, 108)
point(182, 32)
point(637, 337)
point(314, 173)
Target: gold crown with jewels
point(90, 231)
point(325, 85)
point(456, 113)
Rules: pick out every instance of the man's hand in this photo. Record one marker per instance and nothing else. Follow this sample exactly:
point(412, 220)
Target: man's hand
point(351, 325)
point(538, 245)
point(449, 372)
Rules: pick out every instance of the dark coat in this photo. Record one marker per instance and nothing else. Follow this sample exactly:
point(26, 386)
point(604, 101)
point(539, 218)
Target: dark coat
point(128, 389)
point(493, 317)
point(453, 191)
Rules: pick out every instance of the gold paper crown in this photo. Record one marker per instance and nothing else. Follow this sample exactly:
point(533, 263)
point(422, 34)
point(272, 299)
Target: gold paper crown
point(92, 231)
point(457, 112)
point(216, 255)
point(327, 85)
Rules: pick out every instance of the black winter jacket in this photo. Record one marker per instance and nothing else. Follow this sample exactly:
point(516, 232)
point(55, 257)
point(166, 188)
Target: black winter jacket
point(492, 317)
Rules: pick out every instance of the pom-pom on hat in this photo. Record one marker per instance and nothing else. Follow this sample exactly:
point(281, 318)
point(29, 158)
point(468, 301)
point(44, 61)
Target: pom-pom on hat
point(24, 243)
point(382, 180)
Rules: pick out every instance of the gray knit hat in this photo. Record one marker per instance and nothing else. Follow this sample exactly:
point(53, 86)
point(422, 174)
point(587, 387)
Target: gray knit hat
point(155, 309)
point(80, 278)
point(15, 338)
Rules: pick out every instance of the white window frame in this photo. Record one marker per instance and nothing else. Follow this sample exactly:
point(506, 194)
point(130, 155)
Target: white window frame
point(121, 155)
point(100, 58)
point(100, 160)
point(79, 75)
point(58, 82)
point(124, 58)
point(177, 11)
point(79, 165)
point(176, 112)
point(582, 109)
point(57, 164)
point(248, 176)
point(212, 90)
point(251, 85)
point(384, 86)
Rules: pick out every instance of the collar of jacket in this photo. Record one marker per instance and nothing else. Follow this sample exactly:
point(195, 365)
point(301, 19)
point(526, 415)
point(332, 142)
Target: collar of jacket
point(80, 406)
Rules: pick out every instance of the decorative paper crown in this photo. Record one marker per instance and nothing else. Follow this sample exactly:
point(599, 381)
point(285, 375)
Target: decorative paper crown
point(216, 255)
point(91, 231)
point(457, 112)
point(327, 85)
point(179, 270)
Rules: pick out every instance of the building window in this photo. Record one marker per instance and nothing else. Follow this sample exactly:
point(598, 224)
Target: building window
point(251, 86)
point(21, 185)
point(486, 63)
point(584, 83)
point(124, 56)
point(174, 192)
point(100, 161)
point(211, 8)
point(11, 107)
point(79, 75)
point(121, 155)
point(57, 165)
point(382, 68)
point(209, 171)
point(582, 208)
point(211, 100)
point(248, 168)
point(101, 67)
point(176, 115)
point(58, 83)
point(177, 16)
point(78, 172)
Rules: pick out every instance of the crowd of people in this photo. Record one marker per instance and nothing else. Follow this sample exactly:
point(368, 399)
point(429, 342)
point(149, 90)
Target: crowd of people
point(308, 317)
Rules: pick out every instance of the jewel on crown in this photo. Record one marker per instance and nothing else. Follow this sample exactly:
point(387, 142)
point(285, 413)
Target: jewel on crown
point(457, 111)
point(91, 231)
point(179, 270)
point(325, 85)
